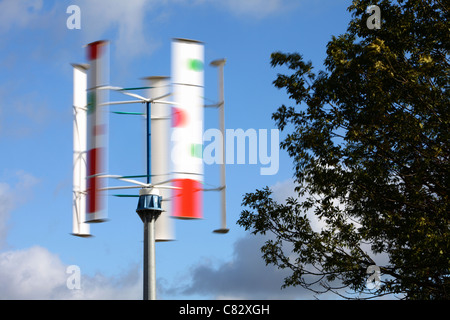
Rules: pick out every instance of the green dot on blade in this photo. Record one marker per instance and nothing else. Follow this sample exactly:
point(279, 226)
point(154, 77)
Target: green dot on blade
point(195, 64)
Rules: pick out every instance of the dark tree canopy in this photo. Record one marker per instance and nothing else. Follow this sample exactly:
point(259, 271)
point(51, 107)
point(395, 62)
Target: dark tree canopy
point(369, 140)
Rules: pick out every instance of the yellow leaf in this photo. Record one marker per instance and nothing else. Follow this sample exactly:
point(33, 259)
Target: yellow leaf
point(425, 59)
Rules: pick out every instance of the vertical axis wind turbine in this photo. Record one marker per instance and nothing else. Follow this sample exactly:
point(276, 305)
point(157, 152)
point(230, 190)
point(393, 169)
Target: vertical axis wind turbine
point(174, 147)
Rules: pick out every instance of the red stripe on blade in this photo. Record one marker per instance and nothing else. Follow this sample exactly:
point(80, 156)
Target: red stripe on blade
point(187, 201)
point(94, 49)
point(94, 183)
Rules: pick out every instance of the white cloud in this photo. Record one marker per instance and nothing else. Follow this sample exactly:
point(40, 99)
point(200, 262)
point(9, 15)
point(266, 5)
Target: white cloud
point(246, 275)
point(285, 189)
point(19, 13)
point(257, 8)
point(22, 114)
point(29, 274)
point(36, 273)
point(10, 199)
point(127, 17)
point(6, 205)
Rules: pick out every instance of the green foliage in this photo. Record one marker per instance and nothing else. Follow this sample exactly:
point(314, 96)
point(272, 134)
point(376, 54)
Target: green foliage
point(370, 148)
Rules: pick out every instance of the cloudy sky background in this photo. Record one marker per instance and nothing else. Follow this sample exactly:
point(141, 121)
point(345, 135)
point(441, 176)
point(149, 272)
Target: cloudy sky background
point(36, 50)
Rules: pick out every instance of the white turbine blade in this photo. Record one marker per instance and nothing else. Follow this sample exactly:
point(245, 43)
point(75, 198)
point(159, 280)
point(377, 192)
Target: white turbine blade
point(122, 187)
point(160, 97)
point(135, 95)
point(97, 128)
point(79, 226)
point(160, 115)
point(133, 181)
point(122, 178)
point(187, 132)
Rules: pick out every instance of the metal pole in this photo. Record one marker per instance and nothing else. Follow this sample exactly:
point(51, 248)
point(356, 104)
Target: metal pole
point(149, 257)
point(149, 230)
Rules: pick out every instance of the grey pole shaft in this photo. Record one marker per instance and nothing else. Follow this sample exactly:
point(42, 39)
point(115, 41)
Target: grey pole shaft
point(219, 64)
point(149, 257)
point(149, 230)
point(222, 166)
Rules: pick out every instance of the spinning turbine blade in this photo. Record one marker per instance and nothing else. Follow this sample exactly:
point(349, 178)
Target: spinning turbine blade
point(187, 127)
point(97, 114)
point(79, 226)
point(159, 155)
point(223, 203)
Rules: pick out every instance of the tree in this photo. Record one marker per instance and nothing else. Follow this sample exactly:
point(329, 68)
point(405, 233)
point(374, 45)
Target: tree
point(369, 139)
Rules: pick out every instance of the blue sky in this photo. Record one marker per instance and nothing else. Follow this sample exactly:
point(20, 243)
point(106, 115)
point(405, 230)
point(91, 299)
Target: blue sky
point(36, 50)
